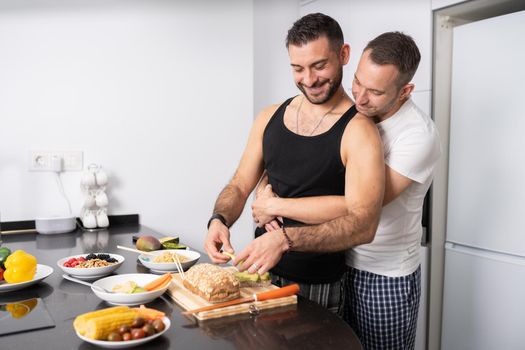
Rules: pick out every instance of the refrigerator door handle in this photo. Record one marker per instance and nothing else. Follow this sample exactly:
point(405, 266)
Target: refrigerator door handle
point(485, 253)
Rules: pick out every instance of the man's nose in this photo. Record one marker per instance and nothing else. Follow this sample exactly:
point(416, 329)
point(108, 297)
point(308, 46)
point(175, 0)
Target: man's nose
point(361, 97)
point(309, 78)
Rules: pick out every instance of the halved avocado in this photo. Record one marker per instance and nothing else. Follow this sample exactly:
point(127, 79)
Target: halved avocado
point(169, 240)
point(171, 245)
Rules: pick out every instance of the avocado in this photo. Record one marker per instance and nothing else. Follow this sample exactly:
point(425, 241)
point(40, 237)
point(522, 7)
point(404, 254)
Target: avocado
point(266, 277)
point(248, 277)
point(169, 240)
point(172, 245)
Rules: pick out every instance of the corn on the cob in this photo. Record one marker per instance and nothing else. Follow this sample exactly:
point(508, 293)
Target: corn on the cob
point(80, 321)
point(100, 327)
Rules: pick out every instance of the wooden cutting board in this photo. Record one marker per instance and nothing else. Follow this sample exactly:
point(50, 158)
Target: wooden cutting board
point(189, 301)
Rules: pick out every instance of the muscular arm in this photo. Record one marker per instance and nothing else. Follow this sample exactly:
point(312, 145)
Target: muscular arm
point(232, 199)
point(310, 210)
point(362, 154)
point(320, 209)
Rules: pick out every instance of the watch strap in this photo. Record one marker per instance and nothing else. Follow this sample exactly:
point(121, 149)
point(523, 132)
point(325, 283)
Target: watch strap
point(218, 217)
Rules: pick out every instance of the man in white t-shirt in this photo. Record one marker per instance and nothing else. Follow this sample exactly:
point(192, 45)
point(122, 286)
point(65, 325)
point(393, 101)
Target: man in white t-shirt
point(383, 284)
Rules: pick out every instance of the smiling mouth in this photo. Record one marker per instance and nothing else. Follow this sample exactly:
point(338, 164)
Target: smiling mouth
point(314, 90)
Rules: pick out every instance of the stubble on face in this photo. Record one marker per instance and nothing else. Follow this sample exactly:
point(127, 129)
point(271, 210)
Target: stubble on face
point(380, 78)
point(333, 85)
point(376, 112)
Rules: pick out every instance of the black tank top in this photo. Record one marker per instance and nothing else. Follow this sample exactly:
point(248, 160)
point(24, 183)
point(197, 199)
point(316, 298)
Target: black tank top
point(305, 166)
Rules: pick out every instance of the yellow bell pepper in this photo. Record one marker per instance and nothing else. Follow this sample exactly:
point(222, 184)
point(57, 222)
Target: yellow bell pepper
point(19, 267)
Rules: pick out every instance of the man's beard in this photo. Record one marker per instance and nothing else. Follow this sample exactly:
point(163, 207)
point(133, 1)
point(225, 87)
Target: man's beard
point(334, 85)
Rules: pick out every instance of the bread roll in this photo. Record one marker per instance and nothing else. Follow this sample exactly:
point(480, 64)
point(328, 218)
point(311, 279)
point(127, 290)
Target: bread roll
point(212, 283)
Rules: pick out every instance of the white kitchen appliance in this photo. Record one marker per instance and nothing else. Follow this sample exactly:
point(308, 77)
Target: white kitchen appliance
point(57, 223)
point(484, 287)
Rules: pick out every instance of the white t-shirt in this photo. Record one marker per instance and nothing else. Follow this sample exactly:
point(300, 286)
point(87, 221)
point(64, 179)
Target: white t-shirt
point(412, 148)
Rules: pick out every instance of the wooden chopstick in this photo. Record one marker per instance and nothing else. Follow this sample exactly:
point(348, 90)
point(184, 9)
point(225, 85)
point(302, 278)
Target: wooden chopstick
point(179, 266)
point(136, 250)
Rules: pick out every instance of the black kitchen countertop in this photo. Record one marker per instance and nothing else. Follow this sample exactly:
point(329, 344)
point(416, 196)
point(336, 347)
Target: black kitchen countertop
point(302, 326)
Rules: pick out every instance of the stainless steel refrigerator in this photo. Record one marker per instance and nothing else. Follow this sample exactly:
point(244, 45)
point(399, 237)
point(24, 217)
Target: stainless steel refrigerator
point(484, 287)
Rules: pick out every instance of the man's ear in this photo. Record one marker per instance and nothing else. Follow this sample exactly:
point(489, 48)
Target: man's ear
point(344, 55)
point(406, 91)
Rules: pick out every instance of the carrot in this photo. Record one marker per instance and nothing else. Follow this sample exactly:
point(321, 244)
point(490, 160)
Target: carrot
point(158, 282)
point(160, 286)
point(149, 313)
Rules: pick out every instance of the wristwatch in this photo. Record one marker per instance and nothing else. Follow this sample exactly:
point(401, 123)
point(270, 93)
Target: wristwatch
point(218, 217)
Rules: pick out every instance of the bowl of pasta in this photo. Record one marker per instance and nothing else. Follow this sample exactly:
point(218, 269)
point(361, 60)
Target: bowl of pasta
point(163, 261)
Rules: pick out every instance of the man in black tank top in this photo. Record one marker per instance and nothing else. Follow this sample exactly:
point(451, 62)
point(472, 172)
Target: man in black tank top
point(311, 145)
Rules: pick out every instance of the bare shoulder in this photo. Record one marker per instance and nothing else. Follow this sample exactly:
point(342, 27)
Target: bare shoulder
point(265, 114)
point(262, 119)
point(360, 126)
point(361, 134)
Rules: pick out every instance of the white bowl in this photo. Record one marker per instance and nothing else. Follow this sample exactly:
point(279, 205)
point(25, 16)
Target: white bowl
point(147, 260)
point(54, 225)
point(90, 273)
point(124, 298)
point(128, 343)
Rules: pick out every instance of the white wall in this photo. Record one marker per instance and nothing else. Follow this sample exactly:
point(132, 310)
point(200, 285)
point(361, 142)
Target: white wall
point(157, 92)
point(273, 80)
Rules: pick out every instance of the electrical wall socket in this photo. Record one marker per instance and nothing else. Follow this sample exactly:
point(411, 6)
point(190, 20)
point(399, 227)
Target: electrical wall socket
point(43, 160)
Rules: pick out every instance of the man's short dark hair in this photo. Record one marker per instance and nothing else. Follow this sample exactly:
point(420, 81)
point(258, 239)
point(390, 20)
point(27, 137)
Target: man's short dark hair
point(397, 49)
point(313, 26)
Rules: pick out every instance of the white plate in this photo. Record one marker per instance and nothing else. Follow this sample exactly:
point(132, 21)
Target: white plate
point(147, 261)
point(91, 272)
point(124, 298)
point(129, 343)
point(42, 271)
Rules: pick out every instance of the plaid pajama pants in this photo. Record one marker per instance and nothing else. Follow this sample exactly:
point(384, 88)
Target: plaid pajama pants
point(382, 310)
point(327, 295)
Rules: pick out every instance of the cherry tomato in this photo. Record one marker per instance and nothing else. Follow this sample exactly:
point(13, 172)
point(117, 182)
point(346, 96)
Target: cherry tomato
point(124, 329)
point(114, 336)
point(138, 322)
point(137, 333)
point(148, 329)
point(159, 325)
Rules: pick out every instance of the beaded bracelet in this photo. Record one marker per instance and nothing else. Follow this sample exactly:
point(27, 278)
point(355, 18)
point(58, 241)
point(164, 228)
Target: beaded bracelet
point(288, 240)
